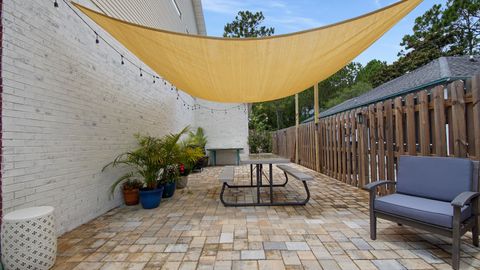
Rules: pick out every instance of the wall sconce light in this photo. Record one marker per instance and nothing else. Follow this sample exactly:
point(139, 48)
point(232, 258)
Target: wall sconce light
point(360, 118)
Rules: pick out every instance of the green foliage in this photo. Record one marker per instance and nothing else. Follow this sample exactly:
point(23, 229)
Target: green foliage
point(154, 161)
point(132, 184)
point(196, 139)
point(260, 141)
point(453, 30)
point(354, 90)
point(247, 25)
point(462, 19)
point(190, 154)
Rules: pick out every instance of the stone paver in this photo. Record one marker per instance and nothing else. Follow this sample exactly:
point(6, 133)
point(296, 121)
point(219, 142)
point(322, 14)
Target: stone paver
point(193, 230)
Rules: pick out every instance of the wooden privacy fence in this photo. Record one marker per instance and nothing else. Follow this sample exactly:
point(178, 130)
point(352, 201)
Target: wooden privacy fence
point(362, 145)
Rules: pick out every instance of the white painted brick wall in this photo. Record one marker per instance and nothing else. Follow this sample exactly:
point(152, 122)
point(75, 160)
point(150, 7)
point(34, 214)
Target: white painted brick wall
point(69, 107)
point(224, 130)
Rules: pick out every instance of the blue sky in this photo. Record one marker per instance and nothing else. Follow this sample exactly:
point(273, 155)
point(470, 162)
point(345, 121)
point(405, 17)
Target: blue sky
point(295, 15)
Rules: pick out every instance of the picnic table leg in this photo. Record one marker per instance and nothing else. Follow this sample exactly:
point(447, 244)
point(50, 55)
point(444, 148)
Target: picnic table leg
point(271, 182)
point(238, 157)
point(251, 175)
point(258, 182)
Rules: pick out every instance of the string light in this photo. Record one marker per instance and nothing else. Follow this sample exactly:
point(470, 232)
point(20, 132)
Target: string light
point(154, 76)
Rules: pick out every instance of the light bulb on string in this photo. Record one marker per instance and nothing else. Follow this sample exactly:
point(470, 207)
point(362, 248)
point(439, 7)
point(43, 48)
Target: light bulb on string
point(153, 79)
point(141, 74)
point(55, 4)
point(123, 63)
point(96, 38)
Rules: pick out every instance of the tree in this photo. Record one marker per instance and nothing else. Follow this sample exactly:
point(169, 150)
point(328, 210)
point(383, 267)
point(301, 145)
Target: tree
point(462, 19)
point(246, 25)
point(370, 72)
point(453, 30)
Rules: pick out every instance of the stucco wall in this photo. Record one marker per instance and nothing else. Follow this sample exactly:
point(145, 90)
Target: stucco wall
point(69, 107)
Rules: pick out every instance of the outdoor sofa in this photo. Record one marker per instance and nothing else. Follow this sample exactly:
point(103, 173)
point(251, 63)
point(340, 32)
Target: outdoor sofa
point(436, 194)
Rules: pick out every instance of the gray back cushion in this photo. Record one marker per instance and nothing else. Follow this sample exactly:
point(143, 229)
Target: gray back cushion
point(436, 178)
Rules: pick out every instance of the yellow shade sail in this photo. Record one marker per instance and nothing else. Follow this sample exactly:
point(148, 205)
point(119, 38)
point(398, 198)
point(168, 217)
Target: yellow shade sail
point(256, 69)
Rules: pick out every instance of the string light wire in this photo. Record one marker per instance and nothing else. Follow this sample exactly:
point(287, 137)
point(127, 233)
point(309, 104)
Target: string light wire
point(142, 71)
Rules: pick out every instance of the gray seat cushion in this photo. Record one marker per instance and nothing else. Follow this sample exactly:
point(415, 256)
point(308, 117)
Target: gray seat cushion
point(421, 209)
point(438, 178)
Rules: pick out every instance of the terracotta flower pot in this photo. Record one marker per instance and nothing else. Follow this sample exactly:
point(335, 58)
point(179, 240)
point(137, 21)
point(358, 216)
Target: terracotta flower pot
point(130, 196)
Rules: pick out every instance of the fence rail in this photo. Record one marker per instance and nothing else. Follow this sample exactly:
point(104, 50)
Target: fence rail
point(362, 145)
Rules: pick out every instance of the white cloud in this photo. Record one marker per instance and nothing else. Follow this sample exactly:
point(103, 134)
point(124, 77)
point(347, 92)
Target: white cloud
point(280, 14)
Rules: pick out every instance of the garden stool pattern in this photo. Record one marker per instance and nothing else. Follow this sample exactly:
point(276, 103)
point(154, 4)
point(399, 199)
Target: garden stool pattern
point(28, 239)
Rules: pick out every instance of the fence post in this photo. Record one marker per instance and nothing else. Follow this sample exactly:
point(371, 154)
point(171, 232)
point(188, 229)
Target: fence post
point(315, 109)
point(297, 123)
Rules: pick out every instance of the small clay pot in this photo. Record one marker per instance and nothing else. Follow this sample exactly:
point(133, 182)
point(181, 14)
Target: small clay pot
point(131, 196)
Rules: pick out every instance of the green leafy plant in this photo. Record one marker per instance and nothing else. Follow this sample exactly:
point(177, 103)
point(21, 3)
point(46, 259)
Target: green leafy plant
point(189, 155)
point(151, 161)
point(260, 141)
point(196, 139)
point(132, 184)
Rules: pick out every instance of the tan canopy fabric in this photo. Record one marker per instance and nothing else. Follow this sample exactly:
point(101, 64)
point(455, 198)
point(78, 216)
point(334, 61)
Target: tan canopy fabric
point(252, 70)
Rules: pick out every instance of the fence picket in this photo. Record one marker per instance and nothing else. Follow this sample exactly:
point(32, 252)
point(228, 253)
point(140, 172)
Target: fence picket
point(357, 153)
point(410, 115)
point(440, 121)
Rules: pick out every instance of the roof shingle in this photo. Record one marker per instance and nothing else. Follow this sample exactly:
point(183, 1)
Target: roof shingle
point(438, 71)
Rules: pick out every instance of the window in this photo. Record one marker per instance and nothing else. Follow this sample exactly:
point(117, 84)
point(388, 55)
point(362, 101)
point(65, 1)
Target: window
point(175, 5)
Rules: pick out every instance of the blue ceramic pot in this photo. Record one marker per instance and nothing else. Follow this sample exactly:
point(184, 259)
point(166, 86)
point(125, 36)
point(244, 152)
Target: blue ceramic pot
point(168, 190)
point(150, 198)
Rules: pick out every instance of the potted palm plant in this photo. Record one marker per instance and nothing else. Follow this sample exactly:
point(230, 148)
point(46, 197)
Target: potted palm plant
point(171, 155)
point(199, 140)
point(189, 155)
point(144, 164)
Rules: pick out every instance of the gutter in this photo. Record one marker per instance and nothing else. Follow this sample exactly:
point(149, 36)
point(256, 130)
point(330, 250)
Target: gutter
point(401, 93)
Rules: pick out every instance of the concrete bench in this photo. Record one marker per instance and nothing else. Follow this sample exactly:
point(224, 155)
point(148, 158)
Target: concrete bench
point(227, 175)
point(295, 173)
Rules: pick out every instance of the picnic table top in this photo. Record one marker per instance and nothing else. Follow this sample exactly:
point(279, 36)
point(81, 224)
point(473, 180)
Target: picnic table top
point(263, 158)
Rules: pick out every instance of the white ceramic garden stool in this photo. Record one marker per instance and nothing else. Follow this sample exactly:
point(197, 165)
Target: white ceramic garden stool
point(28, 239)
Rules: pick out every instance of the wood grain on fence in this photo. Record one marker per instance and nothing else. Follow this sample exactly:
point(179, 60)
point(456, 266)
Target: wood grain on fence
point(443, 121)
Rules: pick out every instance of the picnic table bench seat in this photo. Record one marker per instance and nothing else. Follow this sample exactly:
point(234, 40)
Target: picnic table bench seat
point(227, 175)
point(297, 174)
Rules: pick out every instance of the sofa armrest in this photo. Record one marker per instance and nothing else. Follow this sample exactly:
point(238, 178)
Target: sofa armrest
point(464, 198)
point(373, 185)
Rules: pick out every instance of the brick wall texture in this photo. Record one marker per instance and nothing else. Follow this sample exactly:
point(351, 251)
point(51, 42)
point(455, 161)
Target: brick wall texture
point(69, 107)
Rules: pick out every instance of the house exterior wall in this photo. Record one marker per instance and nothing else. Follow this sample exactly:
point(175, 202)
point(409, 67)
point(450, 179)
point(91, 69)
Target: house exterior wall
point(69, 107)
point(224, 130)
